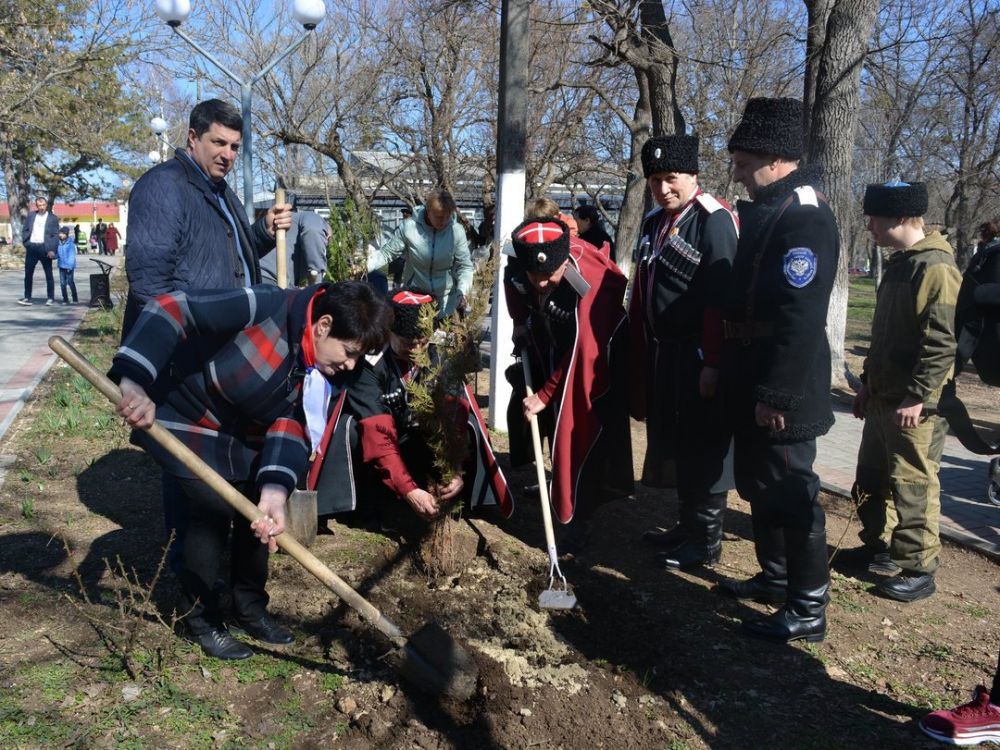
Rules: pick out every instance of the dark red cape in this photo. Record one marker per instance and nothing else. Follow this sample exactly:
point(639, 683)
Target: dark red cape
point(585, 372)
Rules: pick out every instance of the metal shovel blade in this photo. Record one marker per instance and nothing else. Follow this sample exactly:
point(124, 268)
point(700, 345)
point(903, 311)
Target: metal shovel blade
point(434, 661)
point(553, 599)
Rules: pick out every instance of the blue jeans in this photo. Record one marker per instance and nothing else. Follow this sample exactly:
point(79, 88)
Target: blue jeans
point(66, 279)
point(35, 254)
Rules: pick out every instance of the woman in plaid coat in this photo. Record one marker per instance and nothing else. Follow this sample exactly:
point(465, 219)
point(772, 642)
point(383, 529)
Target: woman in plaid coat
point(228, 372)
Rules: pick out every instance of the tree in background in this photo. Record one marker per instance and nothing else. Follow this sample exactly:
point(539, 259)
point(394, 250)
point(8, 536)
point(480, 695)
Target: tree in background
point(65, 111)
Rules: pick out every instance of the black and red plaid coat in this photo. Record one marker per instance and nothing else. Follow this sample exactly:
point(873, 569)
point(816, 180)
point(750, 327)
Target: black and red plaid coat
point(235, 371)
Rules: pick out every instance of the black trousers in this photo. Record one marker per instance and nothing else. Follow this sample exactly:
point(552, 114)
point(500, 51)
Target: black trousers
point(779, 481)
point(211, 522)
point(33, 255)
point(788, 521)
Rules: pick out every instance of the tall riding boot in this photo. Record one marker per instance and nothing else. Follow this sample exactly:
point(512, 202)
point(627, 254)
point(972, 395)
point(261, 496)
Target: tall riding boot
point(704, 543)
point(769, 585)
point(672, 538)
point(804, 615)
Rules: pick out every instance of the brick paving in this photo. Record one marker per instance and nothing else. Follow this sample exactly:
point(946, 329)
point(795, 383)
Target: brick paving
point(967, 516)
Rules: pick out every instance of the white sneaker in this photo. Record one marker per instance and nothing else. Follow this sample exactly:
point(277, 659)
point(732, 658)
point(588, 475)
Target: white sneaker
point(24, 301)
point(49, 302)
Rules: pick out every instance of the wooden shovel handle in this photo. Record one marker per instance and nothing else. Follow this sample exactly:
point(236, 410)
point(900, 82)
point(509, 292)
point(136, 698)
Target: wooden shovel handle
point(543, 487)
point(230, 494)
point(281, 245)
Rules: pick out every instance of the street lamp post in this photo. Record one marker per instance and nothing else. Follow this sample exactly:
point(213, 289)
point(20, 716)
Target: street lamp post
point(307, 12)
point(159, 126)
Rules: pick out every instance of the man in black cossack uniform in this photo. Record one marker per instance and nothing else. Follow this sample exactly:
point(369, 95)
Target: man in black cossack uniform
point(685, 258)
point(777, 366)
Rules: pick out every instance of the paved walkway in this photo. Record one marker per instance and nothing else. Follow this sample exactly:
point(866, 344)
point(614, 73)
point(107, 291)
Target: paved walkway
point(967, 517)
point(25, 356)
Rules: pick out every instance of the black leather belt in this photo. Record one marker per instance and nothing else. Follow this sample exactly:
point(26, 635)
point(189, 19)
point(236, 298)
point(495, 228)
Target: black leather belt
point(747, 329)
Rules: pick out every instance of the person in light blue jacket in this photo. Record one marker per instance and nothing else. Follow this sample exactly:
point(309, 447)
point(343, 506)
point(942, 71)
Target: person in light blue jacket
point(435, 249)
point(67, 264)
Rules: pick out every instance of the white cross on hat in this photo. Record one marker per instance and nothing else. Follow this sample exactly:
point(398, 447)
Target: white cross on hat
point(539, 232)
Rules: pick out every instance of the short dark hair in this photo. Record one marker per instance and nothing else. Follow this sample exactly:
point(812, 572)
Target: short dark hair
point(587, 211)
point(214, 111)
point(989, 230)
point(358, 313)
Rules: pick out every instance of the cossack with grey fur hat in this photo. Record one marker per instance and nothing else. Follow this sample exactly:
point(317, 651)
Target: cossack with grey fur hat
point(542, 245)
point(406, 305)
point(670, 153)
point(770, 126)
point(896, 198)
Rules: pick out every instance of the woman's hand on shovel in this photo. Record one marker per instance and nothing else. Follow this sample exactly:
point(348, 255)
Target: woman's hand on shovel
point(135, 406)
point(272, 505)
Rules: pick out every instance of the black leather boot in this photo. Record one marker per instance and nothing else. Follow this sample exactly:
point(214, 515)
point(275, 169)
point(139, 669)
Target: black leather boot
point(666, 538)
point(758, 588)
point(769, 585)
point(804, 615)
point(704, 547)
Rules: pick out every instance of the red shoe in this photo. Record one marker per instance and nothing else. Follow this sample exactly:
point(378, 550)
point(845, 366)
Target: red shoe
point(968, 724)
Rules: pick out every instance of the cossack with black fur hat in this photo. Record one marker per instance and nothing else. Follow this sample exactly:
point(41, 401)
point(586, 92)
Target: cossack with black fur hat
point(406, 305)
point(670, 153)
point(770, 127)
point(542, 245)
point(896, 199)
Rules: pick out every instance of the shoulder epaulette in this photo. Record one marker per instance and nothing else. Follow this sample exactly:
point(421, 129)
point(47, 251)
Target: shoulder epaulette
point(807, 196)
point(652, 212)
point(709, 203)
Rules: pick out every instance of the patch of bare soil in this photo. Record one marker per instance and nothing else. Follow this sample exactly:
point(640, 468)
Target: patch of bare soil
point(649, 659)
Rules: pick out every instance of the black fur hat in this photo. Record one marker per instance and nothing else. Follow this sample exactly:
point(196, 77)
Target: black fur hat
point(896, 199)
point(670, 153)
point(406, 305)
point(541, 244)
point(770, 126)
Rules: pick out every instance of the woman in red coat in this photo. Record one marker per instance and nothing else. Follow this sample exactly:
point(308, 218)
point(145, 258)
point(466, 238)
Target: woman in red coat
point(111, 237)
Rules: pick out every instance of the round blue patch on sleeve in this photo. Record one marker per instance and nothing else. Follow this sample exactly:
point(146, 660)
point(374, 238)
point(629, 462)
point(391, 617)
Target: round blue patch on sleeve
point(800, 266)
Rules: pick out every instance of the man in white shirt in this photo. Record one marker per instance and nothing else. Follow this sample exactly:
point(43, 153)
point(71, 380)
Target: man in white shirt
point(40, 235)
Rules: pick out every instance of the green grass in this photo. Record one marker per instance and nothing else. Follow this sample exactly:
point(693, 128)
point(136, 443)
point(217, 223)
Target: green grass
point(860, 310)
point(331, 681)
point(260, 668)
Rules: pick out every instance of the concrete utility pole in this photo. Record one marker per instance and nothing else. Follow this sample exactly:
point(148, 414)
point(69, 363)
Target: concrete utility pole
point(510, 188)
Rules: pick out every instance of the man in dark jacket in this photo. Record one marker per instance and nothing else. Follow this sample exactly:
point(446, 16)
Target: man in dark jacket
point(777, 366)
point(40, 235)
point(186, 228)
point(675, 317)
point(588, 222)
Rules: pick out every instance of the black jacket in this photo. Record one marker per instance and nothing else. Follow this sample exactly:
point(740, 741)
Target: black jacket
point(782, 358)
point(179, 239)
point(51, 240)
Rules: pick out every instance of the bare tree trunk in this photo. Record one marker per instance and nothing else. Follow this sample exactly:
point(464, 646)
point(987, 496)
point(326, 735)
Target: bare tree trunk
point(661, 72)
point(833, 120)
point(634, 200)
point(333, 148)
point(15, 181)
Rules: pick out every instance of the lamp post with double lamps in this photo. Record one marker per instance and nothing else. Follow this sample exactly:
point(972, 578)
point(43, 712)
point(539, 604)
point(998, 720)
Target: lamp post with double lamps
point(159, 127)
point(307, 12)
